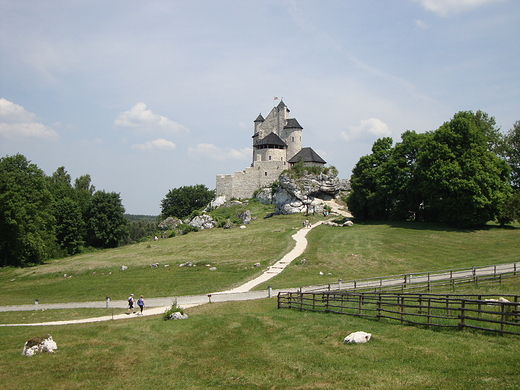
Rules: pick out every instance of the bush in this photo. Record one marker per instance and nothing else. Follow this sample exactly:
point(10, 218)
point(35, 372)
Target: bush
point(173, 309)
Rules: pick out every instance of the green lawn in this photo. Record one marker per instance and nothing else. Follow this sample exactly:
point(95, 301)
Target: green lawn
point(252, 344)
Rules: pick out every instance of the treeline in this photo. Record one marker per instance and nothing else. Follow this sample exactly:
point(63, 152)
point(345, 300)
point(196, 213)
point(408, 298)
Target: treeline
point(465, 173)
point(43, 217)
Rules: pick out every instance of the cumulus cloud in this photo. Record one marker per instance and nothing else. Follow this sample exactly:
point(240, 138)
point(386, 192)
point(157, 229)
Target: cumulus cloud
point(16, 122)
point(445, 7)
point(158, 144)
point(142, 119)
point(212, 152)
point(368, 129)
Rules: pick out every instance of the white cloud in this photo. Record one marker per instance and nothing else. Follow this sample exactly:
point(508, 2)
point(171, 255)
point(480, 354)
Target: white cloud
point(158, 144)
point(16, 122)
point(368, 130)
point(445, 7)
point(212, 152)
point(143, 119)
point(421, 24)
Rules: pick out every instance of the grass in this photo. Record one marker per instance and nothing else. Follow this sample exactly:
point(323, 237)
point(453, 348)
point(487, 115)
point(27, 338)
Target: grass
point(382, 249)
point(253, 345)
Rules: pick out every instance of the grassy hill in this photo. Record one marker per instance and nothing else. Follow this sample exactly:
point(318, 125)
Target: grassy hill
point(360, 251)
point(254, 345)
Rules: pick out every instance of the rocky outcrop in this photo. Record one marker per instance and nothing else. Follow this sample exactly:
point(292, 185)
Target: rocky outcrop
point(39, 345)
point(307, 193)
point(203, 221)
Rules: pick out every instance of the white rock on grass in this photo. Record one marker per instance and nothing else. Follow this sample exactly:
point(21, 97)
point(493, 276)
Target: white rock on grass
point(39, 345)
point(357, 338)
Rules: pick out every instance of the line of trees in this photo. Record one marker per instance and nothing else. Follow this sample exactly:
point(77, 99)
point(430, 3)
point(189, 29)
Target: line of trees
point(465, 173)
point(44, 217)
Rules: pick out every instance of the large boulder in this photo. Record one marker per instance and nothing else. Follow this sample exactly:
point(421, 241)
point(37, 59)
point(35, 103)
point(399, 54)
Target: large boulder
point(39, 345)
point(245, 217)
point(306, 194)
point(265, 196)
point(203, 221)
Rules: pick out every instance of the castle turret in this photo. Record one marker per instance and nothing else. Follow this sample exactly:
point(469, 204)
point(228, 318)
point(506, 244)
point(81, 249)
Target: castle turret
point(292, 136)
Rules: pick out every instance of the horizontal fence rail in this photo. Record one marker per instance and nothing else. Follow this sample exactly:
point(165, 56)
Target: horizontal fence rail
point(424, 280)
point(482, 312)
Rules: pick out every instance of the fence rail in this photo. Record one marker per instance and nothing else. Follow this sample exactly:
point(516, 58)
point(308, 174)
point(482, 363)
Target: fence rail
point(483, 312)
point(424, 280)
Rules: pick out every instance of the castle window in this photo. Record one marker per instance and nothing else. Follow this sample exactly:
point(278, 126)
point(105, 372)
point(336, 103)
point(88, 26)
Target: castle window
point(292, 139)
point(269, 158)
point(266, 173)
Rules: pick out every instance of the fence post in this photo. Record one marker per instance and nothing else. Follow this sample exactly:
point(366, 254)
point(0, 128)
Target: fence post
point(379, 307)
point(462, 316)
point(429, 284)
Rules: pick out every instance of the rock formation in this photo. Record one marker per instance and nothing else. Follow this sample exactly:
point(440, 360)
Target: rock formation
point(306, 194)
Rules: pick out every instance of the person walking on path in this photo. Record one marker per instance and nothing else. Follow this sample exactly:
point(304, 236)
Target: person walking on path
point(140, 303)
point(131, 304)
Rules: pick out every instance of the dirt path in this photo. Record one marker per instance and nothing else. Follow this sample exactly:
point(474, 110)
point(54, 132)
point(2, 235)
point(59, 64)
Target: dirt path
point(160, 305)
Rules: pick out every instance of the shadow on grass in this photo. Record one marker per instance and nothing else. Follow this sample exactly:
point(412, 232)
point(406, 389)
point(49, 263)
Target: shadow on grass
point(433, 226)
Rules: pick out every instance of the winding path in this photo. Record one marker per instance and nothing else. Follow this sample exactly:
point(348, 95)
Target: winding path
point(160, 305)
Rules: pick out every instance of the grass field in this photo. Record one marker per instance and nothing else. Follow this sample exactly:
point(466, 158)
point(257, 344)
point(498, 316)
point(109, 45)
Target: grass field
point(252, 344)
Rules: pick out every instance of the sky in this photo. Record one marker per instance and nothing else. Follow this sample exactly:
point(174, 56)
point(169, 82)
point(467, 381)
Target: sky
point(147, 96)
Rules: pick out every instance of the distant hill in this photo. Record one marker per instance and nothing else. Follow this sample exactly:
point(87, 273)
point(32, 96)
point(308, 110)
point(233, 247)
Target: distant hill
point(145, 218)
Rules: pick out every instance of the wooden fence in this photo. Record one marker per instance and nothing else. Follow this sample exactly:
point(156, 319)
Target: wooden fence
point(483, 312)
point(425, 281)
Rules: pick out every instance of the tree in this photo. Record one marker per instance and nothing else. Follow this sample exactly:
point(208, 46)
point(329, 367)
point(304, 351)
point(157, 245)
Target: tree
point(512, 153)
point(181, 202)
point(450, 175)
point(104, 217)
point(83, 191)
point(462, 181)
point(70, 227)
point(26, 218)
point(368, 199)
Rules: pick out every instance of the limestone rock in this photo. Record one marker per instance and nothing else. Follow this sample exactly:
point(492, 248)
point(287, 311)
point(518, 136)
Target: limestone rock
point(357, 338)
point(265, 196)
point(245, 217)
point(39, 345)
point(203, 221)
point(170, 223)
point(178, 316)
point(307, 193)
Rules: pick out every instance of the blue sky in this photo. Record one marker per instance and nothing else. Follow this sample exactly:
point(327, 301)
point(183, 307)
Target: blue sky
point(146, 96)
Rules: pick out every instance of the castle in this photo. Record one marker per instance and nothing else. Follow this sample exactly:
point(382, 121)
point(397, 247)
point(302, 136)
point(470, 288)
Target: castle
point(277, 145)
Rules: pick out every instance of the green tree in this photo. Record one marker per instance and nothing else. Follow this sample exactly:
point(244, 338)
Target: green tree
point(26, 218)
point(70, 227)
point(105, 221)
point(462, 181)
point(60, 184)
point(368, 198)
point(181, 202)
point(512, 153)
point(83, 191)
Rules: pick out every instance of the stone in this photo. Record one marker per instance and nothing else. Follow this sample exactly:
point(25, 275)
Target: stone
point(229, 225)
point(39, 345)
point(245, 217)
point(357, 338)
point(203, 221)
point(306, 194)
point(123, 268)
point(265, 196)
point(215, 203)
point(178, 316)
point(170, 223)
point(213, 268)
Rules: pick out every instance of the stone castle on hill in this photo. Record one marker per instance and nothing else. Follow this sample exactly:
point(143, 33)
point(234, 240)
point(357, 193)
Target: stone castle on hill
point(277, 145)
